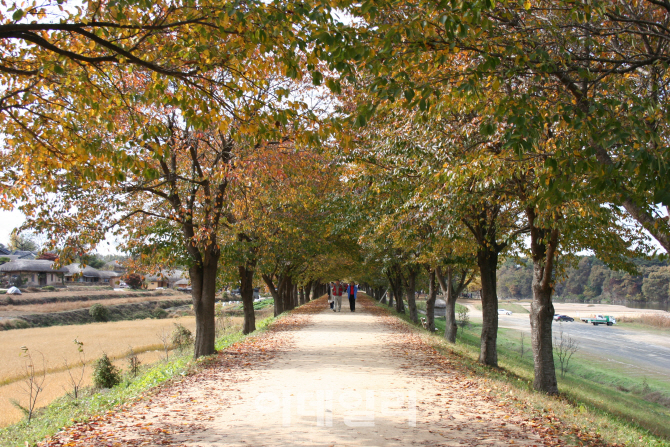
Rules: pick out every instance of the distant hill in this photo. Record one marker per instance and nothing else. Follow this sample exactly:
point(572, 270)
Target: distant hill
point(591, 280)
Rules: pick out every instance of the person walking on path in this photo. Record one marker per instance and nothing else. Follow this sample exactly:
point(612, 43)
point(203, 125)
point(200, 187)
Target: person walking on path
point(330, 296)
point(352, 291)
point(338, 290)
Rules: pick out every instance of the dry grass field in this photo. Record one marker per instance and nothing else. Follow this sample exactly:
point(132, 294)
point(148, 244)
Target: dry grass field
point(55, 385)
point(656, 320)
point(57, 344)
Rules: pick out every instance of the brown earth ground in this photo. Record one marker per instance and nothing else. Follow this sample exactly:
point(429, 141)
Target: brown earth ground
point(320, 378)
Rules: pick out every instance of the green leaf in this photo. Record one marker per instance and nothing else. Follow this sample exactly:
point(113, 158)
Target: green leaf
point(317, 78)
point(662, 196)
point(18, 15)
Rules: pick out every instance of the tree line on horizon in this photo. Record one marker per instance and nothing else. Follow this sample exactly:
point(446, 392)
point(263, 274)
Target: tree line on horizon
point(591, 280)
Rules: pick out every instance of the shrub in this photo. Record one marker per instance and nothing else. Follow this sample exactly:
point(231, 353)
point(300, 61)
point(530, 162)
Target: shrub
point(159, 313)
point(134, 280)
point(105, 375)
point(182, 337)
point(99, 312)
point(49, 288)
point(141, 315)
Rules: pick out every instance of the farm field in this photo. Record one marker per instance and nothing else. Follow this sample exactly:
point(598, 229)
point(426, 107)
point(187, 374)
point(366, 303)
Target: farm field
point(67, 295)
point(61, 293)
point(12, 310)
point(57, 344)
point(55, 385)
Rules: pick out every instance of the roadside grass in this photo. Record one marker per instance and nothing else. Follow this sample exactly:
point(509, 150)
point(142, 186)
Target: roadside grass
point(656, 321)
point(589, 396)
point(515, 308)
point(508, 305)
point(643, 327)
point(66, 411)
point(421, 305)
point(258, 305)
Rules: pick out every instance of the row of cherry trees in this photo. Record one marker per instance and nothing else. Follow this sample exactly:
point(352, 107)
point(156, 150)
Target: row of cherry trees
point(270, 141)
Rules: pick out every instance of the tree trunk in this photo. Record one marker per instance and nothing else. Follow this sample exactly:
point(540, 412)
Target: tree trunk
point(274, 292)
point(400, 304)
point(283, 292)
point(441, 281)
point(308, 291)
point(287, 293)
point(203, 293)
point(430, 302)
point(296, 299)
point(450, 329)
point(395, 278)
point(247, 293)
point(315, 287)
point(543, 248)
point(390, 296)
point(412, 271)
point(541, 318)
point(487, 260)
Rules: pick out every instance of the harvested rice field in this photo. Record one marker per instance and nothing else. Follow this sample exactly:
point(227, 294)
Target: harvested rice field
point(56, 343)
point(17, 310)
point(56, 385)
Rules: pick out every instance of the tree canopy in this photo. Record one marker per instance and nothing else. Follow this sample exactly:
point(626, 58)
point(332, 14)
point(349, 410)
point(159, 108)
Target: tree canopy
point(413, 144)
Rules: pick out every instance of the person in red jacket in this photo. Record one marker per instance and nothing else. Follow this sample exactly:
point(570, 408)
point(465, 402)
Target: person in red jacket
point(338, 291)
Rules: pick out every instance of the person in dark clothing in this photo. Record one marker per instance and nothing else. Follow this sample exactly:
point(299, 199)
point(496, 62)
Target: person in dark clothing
point(330, 297)
point(352, 290)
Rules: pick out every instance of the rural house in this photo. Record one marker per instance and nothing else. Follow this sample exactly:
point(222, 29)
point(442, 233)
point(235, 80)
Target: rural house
point(32, 273)
point(167, 279)
point(24, 254)
point(78, 274)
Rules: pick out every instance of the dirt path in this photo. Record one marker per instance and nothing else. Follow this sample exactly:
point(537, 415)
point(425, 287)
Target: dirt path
point(354, 379)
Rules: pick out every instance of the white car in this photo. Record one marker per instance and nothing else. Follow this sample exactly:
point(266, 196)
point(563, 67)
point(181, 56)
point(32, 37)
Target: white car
point(504, 312)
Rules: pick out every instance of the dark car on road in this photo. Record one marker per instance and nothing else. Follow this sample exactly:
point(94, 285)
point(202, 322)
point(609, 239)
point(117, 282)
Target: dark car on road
point(563, 318)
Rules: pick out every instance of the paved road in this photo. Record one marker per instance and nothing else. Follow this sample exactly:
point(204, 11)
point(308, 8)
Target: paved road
point(640, 353)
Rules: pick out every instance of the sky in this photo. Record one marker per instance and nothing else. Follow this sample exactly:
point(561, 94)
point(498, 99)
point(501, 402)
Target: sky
point(12, 219)
point(8, 221)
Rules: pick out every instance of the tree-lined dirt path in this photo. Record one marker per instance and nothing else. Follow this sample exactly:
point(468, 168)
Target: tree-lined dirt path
point(320, 378)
